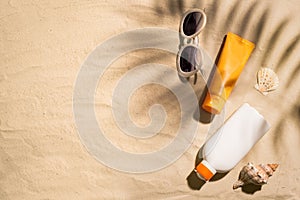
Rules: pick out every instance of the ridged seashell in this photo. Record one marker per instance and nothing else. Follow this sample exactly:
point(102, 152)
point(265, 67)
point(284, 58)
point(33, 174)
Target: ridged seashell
point(257, 175)
point(267, 80)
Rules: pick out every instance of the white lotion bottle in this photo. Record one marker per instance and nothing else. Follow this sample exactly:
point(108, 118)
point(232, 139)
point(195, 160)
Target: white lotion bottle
point(231, 142)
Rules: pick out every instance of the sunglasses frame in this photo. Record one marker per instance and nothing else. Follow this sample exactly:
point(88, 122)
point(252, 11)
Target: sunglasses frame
point(192, 40)
point(191, 73)
point(200, 29)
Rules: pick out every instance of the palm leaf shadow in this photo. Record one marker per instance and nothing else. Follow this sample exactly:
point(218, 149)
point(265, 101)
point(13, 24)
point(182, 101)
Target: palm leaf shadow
point(293, 76)
point(246, 20)
point(258, 37)
point(274, 39)
point(293, 113)
point(257, 30)
point(288, 51)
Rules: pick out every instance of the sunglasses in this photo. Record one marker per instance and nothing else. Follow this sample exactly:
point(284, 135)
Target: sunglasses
point(190, 57)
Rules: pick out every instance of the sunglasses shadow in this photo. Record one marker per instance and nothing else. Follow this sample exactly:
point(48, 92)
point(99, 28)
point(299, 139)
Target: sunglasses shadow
point(206, 117)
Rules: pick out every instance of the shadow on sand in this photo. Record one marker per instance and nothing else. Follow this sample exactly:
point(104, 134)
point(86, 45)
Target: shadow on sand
point(194, 181)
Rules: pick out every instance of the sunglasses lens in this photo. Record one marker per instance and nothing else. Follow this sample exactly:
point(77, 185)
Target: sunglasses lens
point(190, 58)
point(192, 23)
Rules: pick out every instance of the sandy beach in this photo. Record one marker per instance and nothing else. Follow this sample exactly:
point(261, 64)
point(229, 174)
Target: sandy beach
point(45, 47)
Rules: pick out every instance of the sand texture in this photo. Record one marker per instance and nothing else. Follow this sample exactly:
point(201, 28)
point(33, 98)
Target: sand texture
point(45, 43)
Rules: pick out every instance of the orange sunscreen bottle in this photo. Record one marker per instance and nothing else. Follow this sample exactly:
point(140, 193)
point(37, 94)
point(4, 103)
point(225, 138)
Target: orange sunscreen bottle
point(233, 58)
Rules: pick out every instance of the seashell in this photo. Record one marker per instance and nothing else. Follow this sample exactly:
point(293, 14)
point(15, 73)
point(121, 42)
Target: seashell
point(257, 175)
point(267, 80)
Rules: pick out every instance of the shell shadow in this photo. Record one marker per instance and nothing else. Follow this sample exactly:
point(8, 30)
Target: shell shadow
point(251, 188)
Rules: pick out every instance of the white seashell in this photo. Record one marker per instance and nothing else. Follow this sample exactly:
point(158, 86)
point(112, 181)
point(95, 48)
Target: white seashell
point(267, 80)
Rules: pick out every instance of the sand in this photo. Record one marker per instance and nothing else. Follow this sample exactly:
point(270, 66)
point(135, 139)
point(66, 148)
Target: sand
point(45, 43)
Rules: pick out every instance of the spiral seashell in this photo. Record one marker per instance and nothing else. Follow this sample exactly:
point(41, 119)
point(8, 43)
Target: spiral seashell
point(257, 175)
point(267, 81)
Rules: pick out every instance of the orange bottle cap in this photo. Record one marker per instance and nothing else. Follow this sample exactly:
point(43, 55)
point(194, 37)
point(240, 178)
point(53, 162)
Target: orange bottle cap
point(213, 103)
point(205, 170)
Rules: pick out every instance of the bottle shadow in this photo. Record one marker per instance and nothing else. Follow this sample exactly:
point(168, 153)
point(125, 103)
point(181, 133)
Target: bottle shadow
point(194, 181)
point(207, 117)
